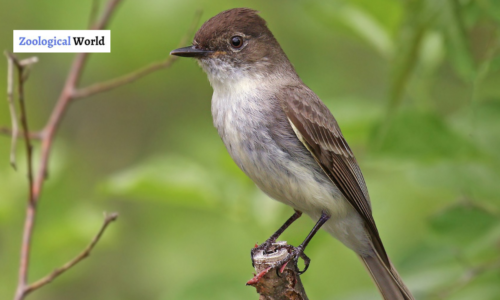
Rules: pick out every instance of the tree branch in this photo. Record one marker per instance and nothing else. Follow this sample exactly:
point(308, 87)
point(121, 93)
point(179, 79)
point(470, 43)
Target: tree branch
point(93, 12)
point(47, 134)
point(30, 211)
point(19, 135)
point(13, 116)
point(24, 124)
point(138, 74)
point(267, 282)
point(84, 254)
point(35, 184)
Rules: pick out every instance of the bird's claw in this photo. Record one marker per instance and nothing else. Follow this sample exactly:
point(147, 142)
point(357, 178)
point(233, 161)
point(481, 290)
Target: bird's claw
point(293, 255)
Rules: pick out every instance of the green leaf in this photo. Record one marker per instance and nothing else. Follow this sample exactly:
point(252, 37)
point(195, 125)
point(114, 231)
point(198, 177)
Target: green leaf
point(463, 224)
point(423, 136)
point(458, 48)
point(358, 21)
point(477, 180)
point(409, 42)
point(172, 179)
point(482, 123)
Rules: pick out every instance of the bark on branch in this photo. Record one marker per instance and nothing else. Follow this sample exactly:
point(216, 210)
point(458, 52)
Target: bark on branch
point(84, 254)
point(270, 286)
point(70, 92)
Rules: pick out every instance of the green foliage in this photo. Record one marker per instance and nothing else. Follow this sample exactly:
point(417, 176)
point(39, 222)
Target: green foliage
point(424, 137)
point(450, 227)
point(171, 178)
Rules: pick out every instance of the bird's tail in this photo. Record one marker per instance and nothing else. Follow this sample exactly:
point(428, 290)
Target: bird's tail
point(387, 279)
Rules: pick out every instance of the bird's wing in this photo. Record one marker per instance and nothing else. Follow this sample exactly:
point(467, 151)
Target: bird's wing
point(318, 130)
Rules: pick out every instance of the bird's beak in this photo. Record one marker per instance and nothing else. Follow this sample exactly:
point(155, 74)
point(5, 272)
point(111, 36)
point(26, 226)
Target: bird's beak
point(190, 51)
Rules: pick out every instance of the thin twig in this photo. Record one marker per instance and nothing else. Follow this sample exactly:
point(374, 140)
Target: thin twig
point(13, 116)
point(65, 97)
point(26, 130)
point(34, 135)
point(93, 12)
point(122, 80)
point(106, 16)
point(138, 74)
point(48, 136)
point(26, 64)
point(31, 208)
point(68, 93)
point(28, 61)
point(84, 254)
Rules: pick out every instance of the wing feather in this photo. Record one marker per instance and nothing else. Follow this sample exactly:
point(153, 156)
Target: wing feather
point(323, 138)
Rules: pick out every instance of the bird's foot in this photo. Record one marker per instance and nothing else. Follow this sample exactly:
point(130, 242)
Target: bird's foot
point(293, 255)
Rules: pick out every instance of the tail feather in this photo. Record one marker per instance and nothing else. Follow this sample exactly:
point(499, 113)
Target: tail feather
point(387, 279)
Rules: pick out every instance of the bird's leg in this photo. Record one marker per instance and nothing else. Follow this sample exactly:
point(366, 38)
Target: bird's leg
point(296, 252)
point(269, 242)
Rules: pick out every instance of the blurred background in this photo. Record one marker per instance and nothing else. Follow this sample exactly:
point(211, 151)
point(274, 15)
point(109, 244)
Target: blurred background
point(414, 85)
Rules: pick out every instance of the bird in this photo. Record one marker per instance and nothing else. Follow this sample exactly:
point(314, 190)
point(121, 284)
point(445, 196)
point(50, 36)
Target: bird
point(282, 136)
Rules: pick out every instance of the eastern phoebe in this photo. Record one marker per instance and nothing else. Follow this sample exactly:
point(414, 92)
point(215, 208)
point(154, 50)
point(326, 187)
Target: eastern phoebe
point(286, 140)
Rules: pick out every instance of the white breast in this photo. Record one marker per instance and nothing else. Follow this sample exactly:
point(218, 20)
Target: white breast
point(243, 115)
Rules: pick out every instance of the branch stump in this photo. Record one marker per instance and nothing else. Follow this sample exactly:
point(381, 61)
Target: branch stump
point(269, 285)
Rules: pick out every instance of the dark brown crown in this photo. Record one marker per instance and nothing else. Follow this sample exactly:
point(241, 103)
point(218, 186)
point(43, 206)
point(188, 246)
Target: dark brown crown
point(236, 20)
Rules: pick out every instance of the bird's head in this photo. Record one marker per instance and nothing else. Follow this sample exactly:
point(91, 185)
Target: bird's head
point(235, 43)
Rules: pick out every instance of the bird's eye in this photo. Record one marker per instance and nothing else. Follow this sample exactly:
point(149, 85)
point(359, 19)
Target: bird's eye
point(236, 42)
